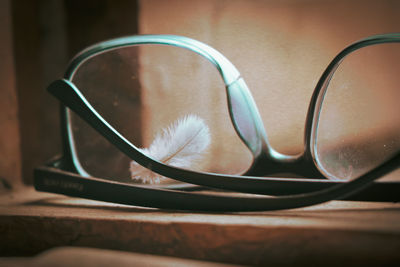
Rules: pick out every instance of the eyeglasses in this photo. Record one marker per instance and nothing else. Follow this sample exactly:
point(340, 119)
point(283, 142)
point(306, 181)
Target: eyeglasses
point(132, 91)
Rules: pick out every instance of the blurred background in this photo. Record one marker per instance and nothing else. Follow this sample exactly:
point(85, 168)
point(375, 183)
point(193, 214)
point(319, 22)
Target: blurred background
point(280, 47)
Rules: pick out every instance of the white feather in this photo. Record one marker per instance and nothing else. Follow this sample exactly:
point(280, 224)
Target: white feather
point(181, 145)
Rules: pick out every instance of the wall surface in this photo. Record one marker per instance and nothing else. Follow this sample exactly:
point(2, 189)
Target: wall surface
point(10, 156)
point(280, 47)
point(41, 36)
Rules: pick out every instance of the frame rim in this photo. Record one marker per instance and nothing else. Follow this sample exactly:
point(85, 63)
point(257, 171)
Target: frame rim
point(313, 114)
point(67, 93)
point(265, 158)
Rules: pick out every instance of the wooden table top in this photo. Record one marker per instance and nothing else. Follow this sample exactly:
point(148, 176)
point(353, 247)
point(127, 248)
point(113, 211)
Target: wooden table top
point(335, 233)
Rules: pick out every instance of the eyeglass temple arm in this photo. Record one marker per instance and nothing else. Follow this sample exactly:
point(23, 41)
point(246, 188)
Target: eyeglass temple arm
point(56, 181)
point(53, 180)
point(69, 95)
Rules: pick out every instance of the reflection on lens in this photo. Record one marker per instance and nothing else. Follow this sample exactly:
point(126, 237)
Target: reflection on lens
point(143, 91)
point(359, 124)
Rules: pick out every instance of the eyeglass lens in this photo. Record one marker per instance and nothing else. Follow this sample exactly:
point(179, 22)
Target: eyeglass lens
point(359, 124)
point(166, 100)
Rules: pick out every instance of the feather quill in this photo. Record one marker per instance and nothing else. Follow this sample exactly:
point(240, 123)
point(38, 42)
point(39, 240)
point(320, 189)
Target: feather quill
point(182, 145)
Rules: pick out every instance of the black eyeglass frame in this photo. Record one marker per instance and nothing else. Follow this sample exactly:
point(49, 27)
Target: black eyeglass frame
point(71, 179)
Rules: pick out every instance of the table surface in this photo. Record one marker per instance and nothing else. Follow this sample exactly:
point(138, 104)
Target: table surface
point(335, 233)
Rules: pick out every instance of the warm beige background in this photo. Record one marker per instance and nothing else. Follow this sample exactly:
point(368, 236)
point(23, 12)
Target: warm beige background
point(280, 47)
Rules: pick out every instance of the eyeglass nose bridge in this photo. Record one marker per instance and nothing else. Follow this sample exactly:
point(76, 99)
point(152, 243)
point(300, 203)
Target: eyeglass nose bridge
point(250, 128)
